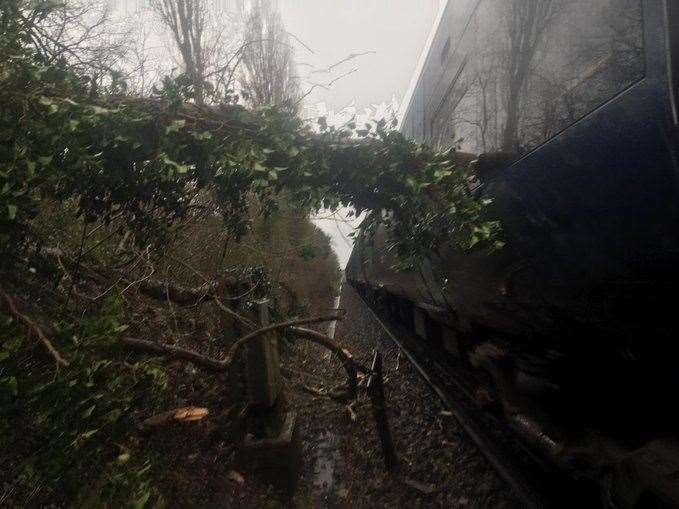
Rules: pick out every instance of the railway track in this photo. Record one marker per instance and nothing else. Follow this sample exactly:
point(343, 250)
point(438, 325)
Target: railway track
point(535, 483)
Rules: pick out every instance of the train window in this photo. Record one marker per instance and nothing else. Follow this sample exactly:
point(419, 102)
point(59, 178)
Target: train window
point(673, 17)
point(534, 67)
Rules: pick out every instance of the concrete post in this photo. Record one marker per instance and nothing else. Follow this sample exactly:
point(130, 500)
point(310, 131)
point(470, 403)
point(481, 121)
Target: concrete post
point(263, 364)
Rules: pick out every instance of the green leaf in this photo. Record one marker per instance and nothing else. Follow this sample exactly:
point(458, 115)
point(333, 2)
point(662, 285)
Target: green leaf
point(11, 212)
point(293, 151)
point(11, 385)
point(88, 412)
point(45, 160)
point(141, 501)
point(207, 135)
point(113, 415)
point(87, 434)
point(98, 110)
point(175, 126)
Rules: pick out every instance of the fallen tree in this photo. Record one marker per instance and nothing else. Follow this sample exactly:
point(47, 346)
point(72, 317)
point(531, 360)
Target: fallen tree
point(149, 161)
point(124, 176)
point(351, 367)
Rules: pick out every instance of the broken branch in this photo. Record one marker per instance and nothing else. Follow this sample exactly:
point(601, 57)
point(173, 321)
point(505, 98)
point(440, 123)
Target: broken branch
point(175, 352)
point(14, 311)
point(233, 351)
point(208, 362)
point(350, 365)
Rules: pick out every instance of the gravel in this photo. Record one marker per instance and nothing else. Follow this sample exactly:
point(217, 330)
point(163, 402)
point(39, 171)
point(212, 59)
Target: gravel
point(342, 463)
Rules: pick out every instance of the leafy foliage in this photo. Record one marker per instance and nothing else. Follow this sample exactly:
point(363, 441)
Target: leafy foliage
point(146, 164)
point(71, 412)
point(146, 158)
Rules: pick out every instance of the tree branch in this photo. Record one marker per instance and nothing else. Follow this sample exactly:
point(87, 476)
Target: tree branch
point(174, 352)
point(235, 348)
point(14, 311)
point(350, 365)
point(346, 358)
point(159, 290)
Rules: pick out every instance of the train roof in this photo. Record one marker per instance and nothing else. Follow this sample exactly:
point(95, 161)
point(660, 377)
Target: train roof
point(421, 63)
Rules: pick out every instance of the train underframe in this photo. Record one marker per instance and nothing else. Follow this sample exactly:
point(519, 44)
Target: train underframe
point(585, 412)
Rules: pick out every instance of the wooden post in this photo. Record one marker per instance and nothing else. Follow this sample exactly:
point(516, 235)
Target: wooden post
point(376, 393)
point(263, 364)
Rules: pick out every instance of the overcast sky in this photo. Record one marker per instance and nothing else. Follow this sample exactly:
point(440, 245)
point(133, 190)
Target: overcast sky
point(395, 30)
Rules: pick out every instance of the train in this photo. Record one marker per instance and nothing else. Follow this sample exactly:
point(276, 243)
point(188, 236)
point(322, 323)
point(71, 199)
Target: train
point(568, 110)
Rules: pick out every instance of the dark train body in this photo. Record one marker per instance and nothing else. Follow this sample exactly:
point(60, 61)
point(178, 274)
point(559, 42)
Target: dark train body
point(573, 104)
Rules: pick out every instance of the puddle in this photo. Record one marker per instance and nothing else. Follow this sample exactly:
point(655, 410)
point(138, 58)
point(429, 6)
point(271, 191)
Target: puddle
point(327, 459)
point(335, 306)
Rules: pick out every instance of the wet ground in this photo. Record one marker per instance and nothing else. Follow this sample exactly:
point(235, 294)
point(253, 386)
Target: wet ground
point(342, 463)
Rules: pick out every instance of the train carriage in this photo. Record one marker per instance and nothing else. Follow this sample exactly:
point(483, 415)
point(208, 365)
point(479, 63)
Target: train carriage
point(573, 105)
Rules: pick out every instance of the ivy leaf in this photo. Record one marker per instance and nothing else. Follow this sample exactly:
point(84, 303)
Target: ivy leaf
point(11, 385)
point(141, 501)
point(88, 412)
point(30, 168)
point(87, 434)
point(175, 126)
point(45, 160)
point(207, 135)
point(98, 110)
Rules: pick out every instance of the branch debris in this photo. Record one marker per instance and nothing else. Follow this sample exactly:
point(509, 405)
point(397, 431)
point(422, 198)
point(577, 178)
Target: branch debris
point(33, 327)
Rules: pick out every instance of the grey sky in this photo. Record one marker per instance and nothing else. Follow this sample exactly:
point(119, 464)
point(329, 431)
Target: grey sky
point(396, 30)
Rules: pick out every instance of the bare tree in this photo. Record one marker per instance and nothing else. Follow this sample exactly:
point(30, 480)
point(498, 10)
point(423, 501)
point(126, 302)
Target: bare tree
point(527, 21)
point(268, 74)
point(186, 20)
point(80, 32)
